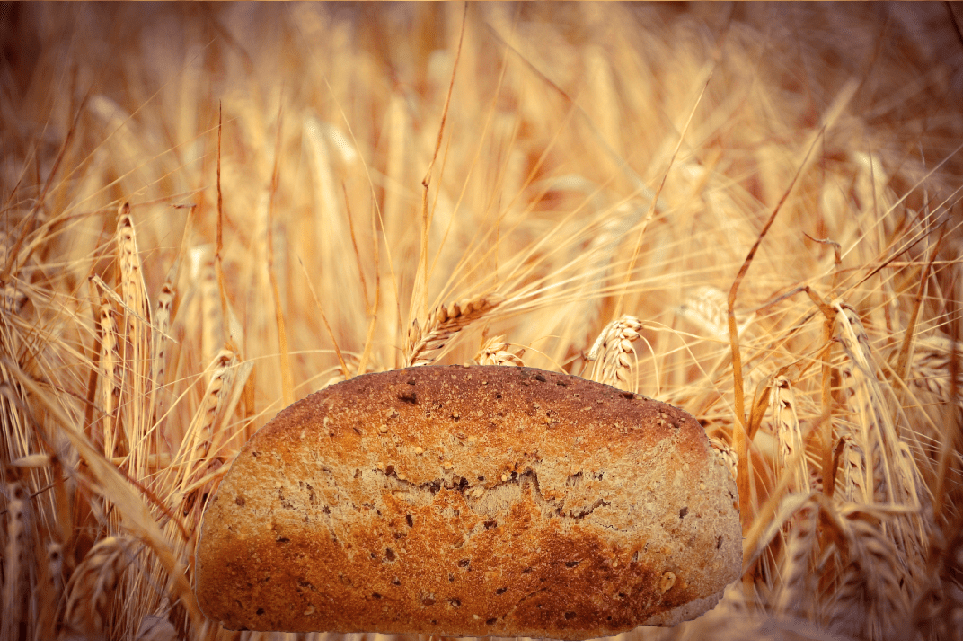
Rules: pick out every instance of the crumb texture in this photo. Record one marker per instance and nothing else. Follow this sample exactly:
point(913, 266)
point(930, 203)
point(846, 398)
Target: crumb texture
point(483, 500)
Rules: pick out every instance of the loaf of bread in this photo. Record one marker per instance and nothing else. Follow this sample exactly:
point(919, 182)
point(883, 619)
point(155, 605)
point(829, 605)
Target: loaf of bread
point(480, 500)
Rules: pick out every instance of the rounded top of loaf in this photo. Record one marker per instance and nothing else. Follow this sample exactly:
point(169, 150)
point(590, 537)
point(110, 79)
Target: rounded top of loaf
point(480, 500)
point(488, 411)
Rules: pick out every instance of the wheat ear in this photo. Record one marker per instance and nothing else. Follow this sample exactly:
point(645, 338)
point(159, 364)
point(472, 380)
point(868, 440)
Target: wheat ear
point(708, 308)
point(425, 344)
point(726, 454)
point(137, 350)
point(92, 586)
point(111, 375)
point(14, 568)
point(786, 422)
point(495, 352)
point(613, 353)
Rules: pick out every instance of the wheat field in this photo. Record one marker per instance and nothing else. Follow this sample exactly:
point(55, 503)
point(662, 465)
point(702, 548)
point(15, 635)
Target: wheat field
point(750, 212)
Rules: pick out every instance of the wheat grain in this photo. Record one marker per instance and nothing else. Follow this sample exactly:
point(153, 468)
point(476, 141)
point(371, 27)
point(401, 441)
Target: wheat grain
point(12, 296)
point(426, 344)
point(931, 365)
point(495, 352)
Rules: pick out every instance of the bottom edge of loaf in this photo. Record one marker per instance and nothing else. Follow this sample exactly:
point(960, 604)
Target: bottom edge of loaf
point(688, 611)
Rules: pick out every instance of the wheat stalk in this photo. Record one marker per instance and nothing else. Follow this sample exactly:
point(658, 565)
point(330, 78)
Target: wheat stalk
point(426, 343)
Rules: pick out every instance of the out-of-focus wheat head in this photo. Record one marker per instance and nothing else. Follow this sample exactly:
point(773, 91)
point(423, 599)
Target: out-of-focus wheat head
point(209, 212)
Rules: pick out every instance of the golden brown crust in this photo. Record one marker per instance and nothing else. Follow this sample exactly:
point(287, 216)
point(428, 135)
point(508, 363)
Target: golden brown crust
point(480, 500)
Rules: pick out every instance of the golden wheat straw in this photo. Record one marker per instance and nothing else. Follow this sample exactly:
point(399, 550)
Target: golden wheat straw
point(112, 487)
point(425, 344)
point(524, 203)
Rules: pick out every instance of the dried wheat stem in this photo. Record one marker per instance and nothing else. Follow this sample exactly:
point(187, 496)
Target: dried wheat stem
point(425, 344)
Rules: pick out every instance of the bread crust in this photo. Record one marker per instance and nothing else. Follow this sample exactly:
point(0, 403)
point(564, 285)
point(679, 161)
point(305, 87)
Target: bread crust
point(481, 500)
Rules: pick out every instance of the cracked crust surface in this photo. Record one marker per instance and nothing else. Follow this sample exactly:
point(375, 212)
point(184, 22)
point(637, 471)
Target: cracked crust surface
point(481, 500)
